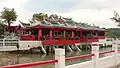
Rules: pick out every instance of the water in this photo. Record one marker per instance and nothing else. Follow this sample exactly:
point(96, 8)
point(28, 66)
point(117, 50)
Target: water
point(7, 58)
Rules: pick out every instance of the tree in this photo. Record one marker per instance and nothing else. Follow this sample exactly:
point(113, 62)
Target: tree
point(8, 15)
point(116, 18)
point(2, 26)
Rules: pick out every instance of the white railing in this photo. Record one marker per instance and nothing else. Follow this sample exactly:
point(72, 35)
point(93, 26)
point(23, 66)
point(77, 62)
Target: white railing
point(8, 44)
point(96, 62)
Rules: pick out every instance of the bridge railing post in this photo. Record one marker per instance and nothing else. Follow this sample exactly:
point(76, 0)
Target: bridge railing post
point(4, 42)
point(95, 58)
point(115, 48)
point(60, 56)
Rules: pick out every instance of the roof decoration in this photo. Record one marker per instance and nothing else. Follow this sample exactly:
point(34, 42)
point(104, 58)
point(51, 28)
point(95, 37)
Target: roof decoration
point(24, 24)
point(59, 21)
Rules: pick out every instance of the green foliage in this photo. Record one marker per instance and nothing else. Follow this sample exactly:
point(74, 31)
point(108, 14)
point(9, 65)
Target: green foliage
point(39, 16)
point(116, 18)
point(8, 15)
point(113, 32)
point(2, 26)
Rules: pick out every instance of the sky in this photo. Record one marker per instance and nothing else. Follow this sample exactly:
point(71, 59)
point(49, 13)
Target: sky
point(96, 12)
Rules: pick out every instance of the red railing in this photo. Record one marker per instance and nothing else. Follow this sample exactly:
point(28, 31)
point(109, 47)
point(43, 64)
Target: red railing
point(27, 37)
point(30, 64)
point(78, 57)
point(44, 62)
point(46, 42)
point(105, 52)
point(52, 61)
point(118, 50)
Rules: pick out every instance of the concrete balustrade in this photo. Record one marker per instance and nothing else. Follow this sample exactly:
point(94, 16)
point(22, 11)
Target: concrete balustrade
point(8, 44)
point(60, 56)
point(95, 62)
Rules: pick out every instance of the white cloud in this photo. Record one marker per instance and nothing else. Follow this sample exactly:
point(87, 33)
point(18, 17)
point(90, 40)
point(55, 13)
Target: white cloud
point(23, 14)
point(18, 5)
point(15, 3)
point(93, 12)
point(92, 16)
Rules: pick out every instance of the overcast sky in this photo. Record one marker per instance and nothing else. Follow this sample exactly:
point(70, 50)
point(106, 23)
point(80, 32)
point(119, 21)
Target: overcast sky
point(96, 12)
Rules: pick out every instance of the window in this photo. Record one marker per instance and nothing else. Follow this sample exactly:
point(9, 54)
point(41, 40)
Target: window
point(101, 33)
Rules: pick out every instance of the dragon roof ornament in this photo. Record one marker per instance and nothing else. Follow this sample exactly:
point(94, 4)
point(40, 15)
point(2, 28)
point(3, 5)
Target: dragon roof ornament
point(55, 20)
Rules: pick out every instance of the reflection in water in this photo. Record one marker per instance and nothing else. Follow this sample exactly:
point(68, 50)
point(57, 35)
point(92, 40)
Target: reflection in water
point(10, 58)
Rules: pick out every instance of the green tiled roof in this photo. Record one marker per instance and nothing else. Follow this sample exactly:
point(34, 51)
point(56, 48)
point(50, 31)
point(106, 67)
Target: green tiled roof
point(96, 28)
point(25, 24)
point(70, 22)
point(44, 24)
point(86, 27)
point(55, 24)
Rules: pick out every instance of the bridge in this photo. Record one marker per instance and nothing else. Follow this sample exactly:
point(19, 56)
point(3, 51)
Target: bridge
point(95, 62)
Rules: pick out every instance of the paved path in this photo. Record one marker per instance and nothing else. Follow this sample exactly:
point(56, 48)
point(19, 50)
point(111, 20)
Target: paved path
point(118, 66)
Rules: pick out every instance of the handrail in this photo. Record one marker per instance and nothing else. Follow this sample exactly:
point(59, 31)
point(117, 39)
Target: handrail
point(30, 64)
point(105, 52)
point(53, 61)
point(45, 62)
point(78, 57)
point(118, 50)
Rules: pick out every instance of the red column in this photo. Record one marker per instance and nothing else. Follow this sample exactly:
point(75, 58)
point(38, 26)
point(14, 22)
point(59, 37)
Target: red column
point(50, 34)
point(22, 32)
point(73, 34)
point(80, 33)
point(91, 34)
point(97, 34)
point(64, 33)
point(39, 34)
point(104, 34)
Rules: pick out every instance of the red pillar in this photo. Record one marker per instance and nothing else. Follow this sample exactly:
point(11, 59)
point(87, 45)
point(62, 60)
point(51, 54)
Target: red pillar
point(73, 34)
point(50, 34)
point(91, 32)
point(80, 33)
point(97, 34)
point(22, 32)
point(64, 33)
point(39, 34)
point(104, 34)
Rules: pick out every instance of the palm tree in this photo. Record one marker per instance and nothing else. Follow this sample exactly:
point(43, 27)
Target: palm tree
point(8, 15)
